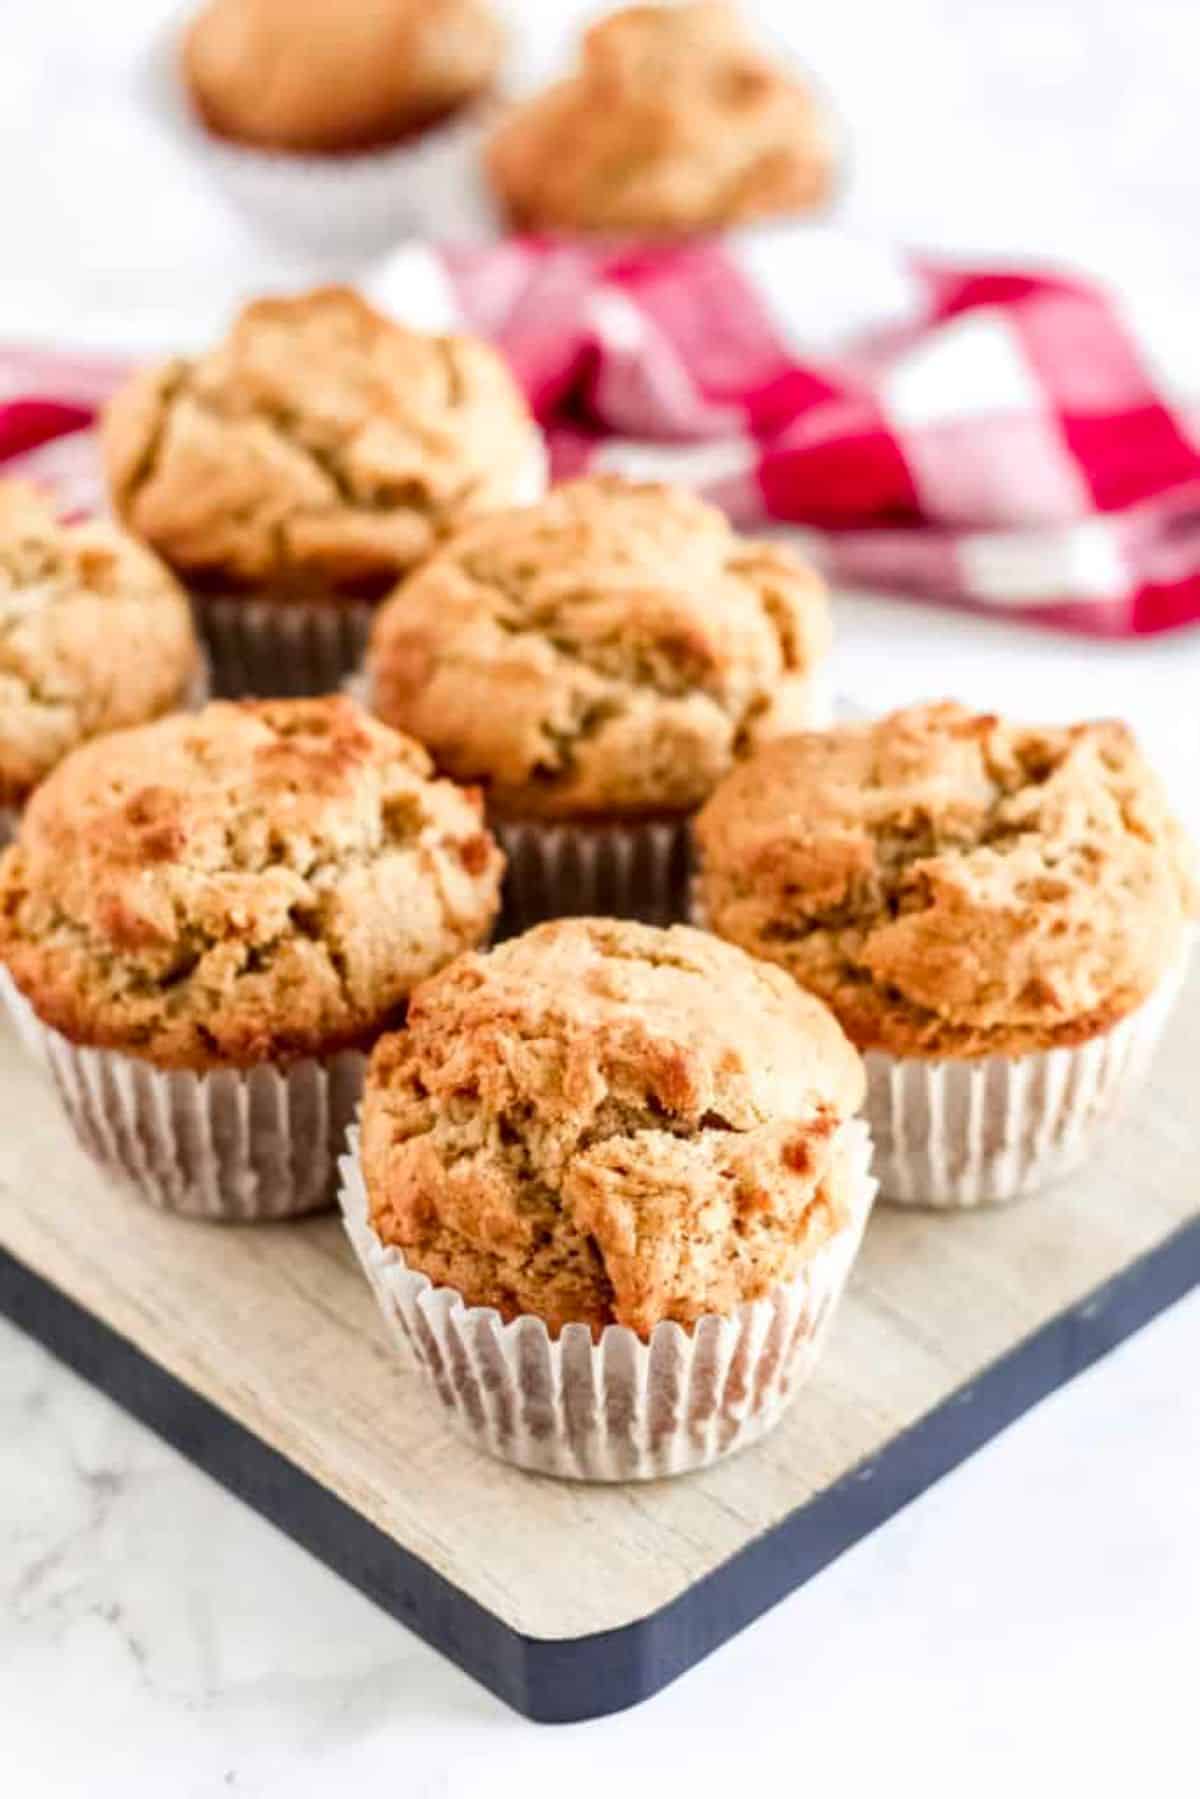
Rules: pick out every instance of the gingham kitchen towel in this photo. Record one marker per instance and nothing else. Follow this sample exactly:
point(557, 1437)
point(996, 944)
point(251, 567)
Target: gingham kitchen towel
point(1015, 441)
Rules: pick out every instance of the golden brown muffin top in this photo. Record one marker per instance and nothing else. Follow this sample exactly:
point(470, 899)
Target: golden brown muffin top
point(336, 75)
point(674, 123)
point(951, 883)
point(254, 882)
point(603, 1122)
point(94, 634)
point(608, 650)
point(320, 444)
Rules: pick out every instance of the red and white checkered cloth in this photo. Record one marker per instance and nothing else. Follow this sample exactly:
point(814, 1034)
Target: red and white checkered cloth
point(1017, 442)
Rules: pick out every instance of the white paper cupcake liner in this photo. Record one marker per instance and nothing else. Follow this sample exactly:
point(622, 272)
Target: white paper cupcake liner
point(235, 1145)
point(958, 1134)
point(561, 870)
point(623, 1408)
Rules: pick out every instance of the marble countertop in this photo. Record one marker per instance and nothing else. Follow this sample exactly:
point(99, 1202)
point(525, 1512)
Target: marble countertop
point(1032, 1618)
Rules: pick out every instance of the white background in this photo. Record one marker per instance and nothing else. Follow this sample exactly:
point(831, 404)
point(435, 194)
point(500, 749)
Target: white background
point(1034, 1619)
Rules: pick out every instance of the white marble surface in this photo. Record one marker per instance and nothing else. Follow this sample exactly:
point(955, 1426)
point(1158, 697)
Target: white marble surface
point(1034, 1617)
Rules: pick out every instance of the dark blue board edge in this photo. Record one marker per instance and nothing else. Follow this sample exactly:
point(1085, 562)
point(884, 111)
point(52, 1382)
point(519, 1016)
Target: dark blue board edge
point(591, 1676)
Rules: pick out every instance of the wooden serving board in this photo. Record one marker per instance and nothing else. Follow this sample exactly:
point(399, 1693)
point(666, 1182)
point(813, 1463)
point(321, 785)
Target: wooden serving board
point(259, 1353)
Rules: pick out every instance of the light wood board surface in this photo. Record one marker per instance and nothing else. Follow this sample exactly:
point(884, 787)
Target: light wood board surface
point(276, 1327)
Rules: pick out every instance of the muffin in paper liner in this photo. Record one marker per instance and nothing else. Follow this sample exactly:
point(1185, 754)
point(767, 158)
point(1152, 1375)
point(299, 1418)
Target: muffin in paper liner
point(955, 1134)
point(233, 1145)
point(622, 1408)
point(340, 205)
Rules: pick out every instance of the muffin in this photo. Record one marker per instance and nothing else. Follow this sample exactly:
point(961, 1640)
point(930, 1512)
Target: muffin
point(337, 75)
point(324, 120)
point(596, 662)
point(998, 914)
point(291, 474)
point(609, 1189)
point(94, 634)
point(204, 924)
point(674, 123)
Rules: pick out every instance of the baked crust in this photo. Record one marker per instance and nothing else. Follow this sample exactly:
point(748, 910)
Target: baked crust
point(673, 123)
point(607, 651)
point(94, 634)
point(603, 1122)
point(336, 75)
point(252, 883)
point(952, 884)
point(319, 448)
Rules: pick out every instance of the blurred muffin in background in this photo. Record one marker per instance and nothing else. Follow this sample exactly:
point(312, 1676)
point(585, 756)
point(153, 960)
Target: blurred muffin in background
point(337, 75)
point(335, 126)
point(292, 473)
point(675, 122)
point(94, 635)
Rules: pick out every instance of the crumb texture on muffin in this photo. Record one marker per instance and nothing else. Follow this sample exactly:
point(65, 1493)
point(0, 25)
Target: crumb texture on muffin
point(94, 634)
point(254, 882)
point(674, 122)
point(336, 75)
point(319, 446)
point(951, 883)
point(603, 1122)
point(608, 650)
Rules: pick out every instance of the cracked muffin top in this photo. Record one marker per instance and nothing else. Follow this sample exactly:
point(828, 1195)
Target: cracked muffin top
point(253, 882)
point(336, 75)
point(94, 634)
point(606, 651)
point(674, 123)
point(601, 1122)
point(952, 884)
point(319, 446)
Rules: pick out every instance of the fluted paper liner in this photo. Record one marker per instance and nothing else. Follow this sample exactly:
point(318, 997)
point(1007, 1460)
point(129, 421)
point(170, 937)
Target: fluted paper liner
point(562, 870)
point(234, 1145)
point(957, 1134)
point(280, 648)
point(620, 1409)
